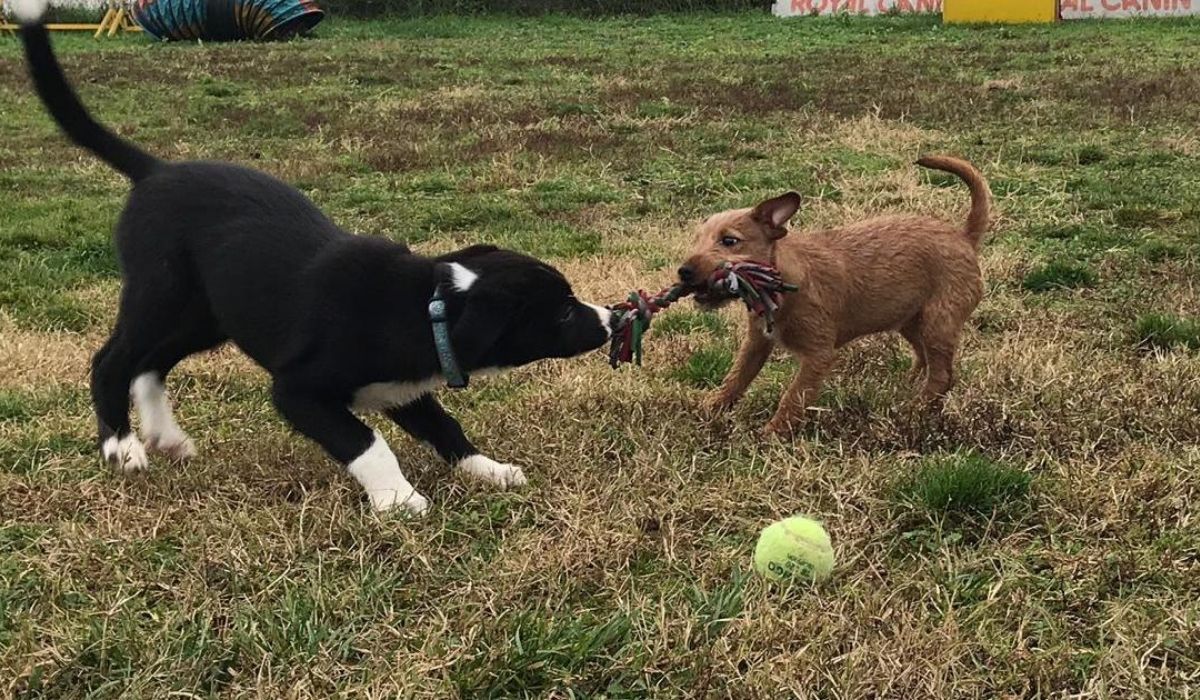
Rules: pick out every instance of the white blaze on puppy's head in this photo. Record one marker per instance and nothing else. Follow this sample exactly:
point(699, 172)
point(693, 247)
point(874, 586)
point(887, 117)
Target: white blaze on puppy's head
point(461, 277)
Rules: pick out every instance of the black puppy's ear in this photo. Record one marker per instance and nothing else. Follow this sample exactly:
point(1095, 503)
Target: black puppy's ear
point(468, 253)
point(776, 212)
point(484, 318)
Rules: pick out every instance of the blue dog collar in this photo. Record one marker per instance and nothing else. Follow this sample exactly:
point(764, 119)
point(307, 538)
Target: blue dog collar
point(451, 372)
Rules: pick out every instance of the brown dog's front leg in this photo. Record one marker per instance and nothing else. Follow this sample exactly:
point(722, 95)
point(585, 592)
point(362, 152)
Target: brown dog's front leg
point(800, 394)
point(752, 355)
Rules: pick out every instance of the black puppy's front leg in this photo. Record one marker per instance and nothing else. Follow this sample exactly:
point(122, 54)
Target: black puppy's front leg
point(426, 420)
point(348, 440)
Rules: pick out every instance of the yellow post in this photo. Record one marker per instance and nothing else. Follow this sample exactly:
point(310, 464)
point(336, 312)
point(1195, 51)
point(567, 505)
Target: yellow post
point(115, 20)
point(118, 20)
point(108, 16)
point(6, 26)
point(1006, 11)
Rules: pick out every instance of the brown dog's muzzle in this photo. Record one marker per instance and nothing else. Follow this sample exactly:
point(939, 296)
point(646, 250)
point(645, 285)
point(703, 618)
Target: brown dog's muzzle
point(695, 274)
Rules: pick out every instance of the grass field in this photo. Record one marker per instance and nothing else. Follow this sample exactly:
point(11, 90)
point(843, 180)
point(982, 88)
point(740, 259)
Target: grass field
point(1041, 538)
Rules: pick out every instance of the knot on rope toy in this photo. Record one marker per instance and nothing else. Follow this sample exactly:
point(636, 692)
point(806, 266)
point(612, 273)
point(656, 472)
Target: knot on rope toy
point(758, 285)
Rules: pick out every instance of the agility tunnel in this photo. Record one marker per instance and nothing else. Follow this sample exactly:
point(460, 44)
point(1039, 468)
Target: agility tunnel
point(225, 20)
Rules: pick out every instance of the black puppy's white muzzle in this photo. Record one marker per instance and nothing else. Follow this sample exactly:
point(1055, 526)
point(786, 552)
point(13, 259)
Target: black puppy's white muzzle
point(586, 328)
point(604, 316)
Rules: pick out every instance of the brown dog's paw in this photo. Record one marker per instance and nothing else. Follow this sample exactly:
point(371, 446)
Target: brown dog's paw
point(716, 404)
point(779, 429)
point(929, 402)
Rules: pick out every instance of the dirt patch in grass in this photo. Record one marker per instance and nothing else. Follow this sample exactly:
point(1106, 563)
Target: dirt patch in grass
point(570, 143)
point(393, 157)
point(1167, 92)
point(755, 91)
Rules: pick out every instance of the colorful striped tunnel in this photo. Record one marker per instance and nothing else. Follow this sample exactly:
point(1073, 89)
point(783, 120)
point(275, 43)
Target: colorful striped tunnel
point(226, 20)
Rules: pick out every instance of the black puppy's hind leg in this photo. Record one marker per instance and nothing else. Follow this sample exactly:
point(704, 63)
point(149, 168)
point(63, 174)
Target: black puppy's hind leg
point(426, 420)
point(111, 375)
point(348, 440)
point(196, 332)
point(100, 397)
point(150, 304)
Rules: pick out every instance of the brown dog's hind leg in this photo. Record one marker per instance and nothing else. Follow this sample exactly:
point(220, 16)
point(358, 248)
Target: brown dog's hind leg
point(752, 355)
point(939, 331)
point(802, 392)
point(941, 370)
point(912, 333)
point(939, 337)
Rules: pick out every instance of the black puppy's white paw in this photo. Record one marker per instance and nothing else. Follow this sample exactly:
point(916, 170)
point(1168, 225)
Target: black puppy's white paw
point(159, 429)
point(378, 470)
point(177, 446)
point(383, 500)
point(127, 453)
point(488, 470)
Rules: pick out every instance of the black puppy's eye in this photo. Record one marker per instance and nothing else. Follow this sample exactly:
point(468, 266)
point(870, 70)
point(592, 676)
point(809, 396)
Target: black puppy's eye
point(730, 241)
point(567, 314)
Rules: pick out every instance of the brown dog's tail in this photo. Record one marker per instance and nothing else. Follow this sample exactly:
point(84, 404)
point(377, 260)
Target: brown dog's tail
point(978, 219)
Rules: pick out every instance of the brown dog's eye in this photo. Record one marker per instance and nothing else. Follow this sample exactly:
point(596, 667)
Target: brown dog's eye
point(729, 241)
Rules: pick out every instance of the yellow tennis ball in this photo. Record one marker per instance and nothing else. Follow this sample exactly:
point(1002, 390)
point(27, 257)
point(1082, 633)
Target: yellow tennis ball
point(794, 548)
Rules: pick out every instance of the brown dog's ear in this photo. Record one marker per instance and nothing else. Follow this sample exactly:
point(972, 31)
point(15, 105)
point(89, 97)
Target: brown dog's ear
point(777, 212)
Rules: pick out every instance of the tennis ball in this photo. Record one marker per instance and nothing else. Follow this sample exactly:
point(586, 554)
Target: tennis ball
point(794, 548)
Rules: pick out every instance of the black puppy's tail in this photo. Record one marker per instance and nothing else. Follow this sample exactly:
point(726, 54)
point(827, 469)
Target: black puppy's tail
point(65, 106)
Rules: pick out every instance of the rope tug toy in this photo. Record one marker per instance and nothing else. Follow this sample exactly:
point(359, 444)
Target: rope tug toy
point(758, 285)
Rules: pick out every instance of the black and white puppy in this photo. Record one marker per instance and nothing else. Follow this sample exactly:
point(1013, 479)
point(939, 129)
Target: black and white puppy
point(212, 252)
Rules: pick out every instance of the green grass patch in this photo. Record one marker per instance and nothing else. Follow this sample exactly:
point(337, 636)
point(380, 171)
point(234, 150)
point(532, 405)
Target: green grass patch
point(661, 109)
point(23, 406)
point(573, 109)
point(547, 239)
point(1059, 275)
point(539, 653)
point(937, 178)
point(1141, 217)
point(48, 249)
point(1078, 241)
point(1158, 250)
point(676, 323)
point(1090, 155)
point(705, 368)
point(431, 184)
point(549, 196)
point(29, 453)
point(15, 406)
point(18, 537)
point(966, 483)
point(717, 607)
point(1166, 332)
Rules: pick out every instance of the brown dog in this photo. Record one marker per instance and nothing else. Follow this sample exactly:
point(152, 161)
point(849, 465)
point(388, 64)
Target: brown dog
point(912, 274)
